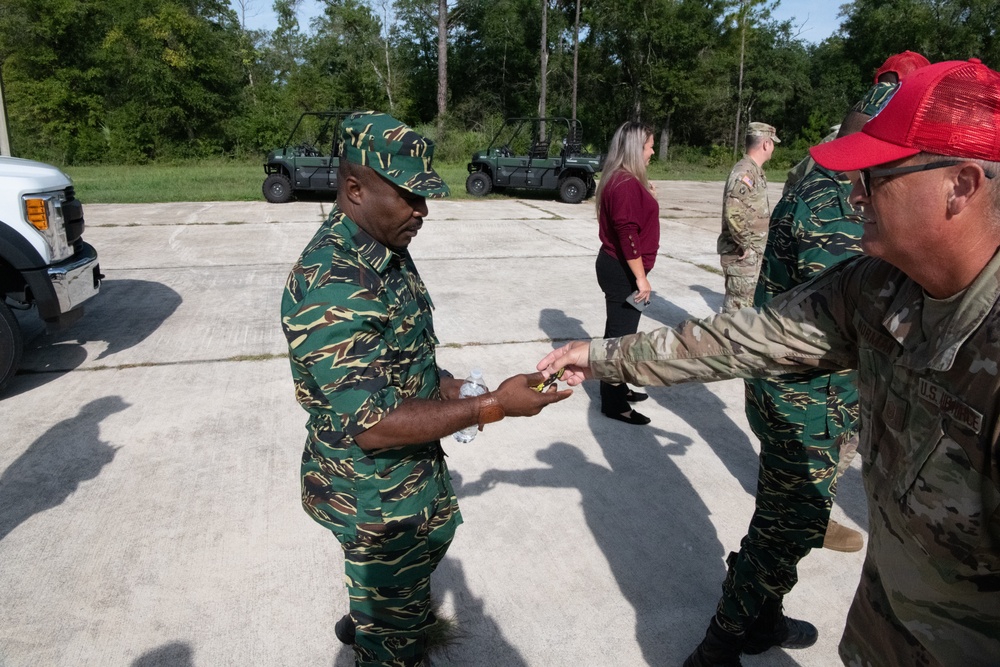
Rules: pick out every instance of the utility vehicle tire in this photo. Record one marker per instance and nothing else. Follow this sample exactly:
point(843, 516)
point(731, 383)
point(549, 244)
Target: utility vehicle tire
point(572, 190)
point(277, 189)
point(478, 184)
point(11, 345)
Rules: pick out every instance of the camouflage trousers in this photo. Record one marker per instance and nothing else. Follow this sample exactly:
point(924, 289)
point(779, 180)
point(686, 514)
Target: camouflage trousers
point(796, 485)
point(741, 280)
point(388, 577)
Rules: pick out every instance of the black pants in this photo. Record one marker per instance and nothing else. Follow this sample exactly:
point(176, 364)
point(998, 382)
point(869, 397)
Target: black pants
point(617, 282)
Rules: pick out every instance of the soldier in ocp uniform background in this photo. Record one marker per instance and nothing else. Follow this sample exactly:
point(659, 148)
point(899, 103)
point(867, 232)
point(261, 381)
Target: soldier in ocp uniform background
point(361, 342)
point(745, 212)
point(918, 317)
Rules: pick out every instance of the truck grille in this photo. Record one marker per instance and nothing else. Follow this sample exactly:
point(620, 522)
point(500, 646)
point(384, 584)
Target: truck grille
point(72, 211)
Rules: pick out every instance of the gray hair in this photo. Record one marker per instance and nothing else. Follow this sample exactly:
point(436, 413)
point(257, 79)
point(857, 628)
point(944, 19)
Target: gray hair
point(625, 153)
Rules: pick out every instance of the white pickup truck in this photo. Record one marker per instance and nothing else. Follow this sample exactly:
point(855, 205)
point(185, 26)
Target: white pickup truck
point(44, 262)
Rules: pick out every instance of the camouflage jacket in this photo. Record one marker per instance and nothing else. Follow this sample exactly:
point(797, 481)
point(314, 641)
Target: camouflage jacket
point(813, 227)
point(744, 210)
point(930, 424)
point(361, 340)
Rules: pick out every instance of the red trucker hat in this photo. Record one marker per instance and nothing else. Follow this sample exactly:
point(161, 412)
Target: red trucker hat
point(902, 64)
point(949, 108)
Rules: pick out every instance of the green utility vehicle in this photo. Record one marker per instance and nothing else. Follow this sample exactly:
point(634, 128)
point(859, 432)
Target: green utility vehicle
point(536, 154)
point(308, 162)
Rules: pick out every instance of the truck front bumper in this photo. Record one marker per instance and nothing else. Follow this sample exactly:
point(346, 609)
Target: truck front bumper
point(77, 279)
point(60, 290)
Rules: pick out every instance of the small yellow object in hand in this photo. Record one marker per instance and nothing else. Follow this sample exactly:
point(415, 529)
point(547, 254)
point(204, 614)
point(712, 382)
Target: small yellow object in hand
point(551, 380)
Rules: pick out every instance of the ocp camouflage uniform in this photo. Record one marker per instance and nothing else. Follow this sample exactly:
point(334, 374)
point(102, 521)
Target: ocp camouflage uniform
point(801, 419)
point(745, 212)
point(929, 384)
point(361, 338)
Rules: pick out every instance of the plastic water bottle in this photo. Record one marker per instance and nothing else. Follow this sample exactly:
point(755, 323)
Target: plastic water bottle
point(474, 385)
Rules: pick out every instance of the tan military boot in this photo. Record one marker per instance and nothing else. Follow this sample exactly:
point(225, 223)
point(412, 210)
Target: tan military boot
point(842, 538)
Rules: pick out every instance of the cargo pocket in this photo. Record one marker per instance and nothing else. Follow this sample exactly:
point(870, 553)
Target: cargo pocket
point(944, 499)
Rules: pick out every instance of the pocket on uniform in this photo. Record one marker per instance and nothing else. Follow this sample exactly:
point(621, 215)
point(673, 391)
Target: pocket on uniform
point(378, 537)
point(943, 498)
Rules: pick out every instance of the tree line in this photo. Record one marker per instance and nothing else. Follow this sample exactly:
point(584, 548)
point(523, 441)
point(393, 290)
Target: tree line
point(90, 81)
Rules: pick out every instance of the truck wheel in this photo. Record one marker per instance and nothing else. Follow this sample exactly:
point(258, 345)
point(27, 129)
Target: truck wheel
point(11, 345)
point(478, 184)
point(277, 189)
point(572, 190)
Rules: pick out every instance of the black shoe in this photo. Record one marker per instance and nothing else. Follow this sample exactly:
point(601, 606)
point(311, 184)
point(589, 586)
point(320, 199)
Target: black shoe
point(344, 629)
point(787, 633)
point(697, 659)
point(631, 417)
point(636, 396)
point(719, 648)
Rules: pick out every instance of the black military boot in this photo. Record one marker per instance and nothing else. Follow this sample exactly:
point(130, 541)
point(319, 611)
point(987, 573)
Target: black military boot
point(345, 630)
point(719, 648)
point(773, 628)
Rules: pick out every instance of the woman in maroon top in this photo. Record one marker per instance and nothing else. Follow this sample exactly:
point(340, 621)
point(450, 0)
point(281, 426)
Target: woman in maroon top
point(629, 222)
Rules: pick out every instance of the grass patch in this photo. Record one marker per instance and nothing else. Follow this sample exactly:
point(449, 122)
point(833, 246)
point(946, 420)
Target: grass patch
point(686, 171)
point(235, 180)
point(212, 180)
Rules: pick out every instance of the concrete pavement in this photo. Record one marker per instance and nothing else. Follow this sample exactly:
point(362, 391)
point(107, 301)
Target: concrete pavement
point(149, 511)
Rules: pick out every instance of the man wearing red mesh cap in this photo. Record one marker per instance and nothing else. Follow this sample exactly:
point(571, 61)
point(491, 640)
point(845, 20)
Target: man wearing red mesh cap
point(919, 318)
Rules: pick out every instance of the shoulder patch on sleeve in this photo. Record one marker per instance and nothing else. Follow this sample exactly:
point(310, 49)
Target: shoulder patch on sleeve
point(747, 179)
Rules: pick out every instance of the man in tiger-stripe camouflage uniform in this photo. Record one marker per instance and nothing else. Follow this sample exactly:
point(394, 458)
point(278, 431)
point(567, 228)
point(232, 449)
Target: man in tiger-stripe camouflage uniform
point(357, 318)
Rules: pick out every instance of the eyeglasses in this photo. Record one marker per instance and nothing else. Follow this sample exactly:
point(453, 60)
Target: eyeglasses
point(868, 174)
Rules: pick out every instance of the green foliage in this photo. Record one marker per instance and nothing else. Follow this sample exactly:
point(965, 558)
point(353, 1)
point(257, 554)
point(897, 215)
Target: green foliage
point(719, 156)
point(939, 29)
point(134, 81)
point(459, 143)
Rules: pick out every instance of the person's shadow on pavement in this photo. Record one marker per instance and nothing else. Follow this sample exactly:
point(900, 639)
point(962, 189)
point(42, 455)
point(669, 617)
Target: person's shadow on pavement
point(650, 524)
point(705, 412)
point(479, 640)
point(174, 654)
point(124, 314)
point(55, 465)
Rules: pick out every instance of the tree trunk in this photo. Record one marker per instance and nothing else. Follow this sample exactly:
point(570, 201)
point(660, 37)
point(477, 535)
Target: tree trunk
point(739, 94)
point(665, 140)
point(442, 66)
point(545, 67)
point(4, 132)
point(576, 54)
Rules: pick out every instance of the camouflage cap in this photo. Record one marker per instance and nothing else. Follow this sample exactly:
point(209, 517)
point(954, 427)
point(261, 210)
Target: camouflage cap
point(763, 130)
point(395, 151)
point(876, 98)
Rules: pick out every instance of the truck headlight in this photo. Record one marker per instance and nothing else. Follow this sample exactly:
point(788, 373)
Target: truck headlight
point(38, 212)
point(44, 213)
